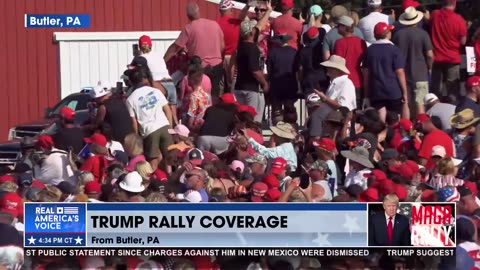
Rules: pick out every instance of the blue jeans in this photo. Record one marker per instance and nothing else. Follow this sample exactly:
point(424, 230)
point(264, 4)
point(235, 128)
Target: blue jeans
point(171, 92)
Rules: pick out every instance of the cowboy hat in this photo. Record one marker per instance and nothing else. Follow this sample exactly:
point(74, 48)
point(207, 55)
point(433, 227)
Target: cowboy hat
point(337, 62)
point(284, 130)
point(411, 16)
point(463, 119)
point(360, 155)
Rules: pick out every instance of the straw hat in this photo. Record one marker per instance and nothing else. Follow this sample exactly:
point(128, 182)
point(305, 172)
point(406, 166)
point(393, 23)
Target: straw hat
point(337, 62)
point(283, 130)
point(463, 119)
point(411, 16)
point(360, 155)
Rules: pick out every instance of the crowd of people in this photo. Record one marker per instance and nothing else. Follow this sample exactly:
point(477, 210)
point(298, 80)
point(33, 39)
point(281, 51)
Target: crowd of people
point(385, 115)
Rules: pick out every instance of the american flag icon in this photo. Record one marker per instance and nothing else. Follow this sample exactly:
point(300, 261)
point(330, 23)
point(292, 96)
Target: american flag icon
point(68, 210)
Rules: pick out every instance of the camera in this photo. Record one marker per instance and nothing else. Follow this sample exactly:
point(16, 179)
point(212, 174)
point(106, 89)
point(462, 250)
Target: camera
point(37, 157)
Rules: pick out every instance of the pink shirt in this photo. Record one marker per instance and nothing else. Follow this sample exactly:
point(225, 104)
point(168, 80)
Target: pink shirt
point(203, 38)
point(291, 25)
point(133, 163)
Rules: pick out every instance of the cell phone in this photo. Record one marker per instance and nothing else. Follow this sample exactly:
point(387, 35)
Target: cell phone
point(304, 181)
point(136, 50)
point(119, 88)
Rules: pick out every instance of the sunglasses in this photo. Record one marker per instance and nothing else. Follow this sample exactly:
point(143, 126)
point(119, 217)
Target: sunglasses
point(188, 175)
point(260, 9)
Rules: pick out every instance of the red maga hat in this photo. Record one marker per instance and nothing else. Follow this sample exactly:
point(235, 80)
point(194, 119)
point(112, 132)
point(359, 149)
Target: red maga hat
point(325, 143)
point(67, 113)
point(97, 138)
point(145, 40)
point(44, 141)
point(423, 117)
point(369, 195)
point(381, 28)
point(279, 165)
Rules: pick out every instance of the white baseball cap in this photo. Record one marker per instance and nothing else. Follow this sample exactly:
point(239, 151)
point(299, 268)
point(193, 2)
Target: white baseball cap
point(439, 150)
point(374, 2)
point(429, 98)
point(103, 88)
point(192, 196)
point(313, 98)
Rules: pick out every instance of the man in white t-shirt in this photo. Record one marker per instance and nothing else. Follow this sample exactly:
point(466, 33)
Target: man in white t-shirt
point(149, 112)
point(53, 166)
point(368, 22)
point(341, 92)
point(158, 68)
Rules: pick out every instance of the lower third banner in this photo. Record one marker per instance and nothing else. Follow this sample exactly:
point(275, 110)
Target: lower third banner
point(170, 225)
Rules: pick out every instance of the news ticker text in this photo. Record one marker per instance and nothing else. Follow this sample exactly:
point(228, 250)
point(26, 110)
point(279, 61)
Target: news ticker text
point(304, 252)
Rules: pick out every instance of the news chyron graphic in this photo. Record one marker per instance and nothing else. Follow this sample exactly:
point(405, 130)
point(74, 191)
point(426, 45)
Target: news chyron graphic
point(433, 225)
point(428, 225)
point(57, 20)
point(55, 225)
point(167, 225)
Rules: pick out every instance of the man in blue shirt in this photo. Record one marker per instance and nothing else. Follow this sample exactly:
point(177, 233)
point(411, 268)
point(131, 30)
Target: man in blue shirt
point(470, 100)
point(384, 76)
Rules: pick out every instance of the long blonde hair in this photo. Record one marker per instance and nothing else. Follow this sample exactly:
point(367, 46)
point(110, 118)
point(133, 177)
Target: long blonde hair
point(356, 18)
point(133, 145)
point(446, 166)
point(145, 170)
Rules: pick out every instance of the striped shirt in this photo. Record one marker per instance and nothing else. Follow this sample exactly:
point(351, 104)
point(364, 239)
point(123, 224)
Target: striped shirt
point(440, 181)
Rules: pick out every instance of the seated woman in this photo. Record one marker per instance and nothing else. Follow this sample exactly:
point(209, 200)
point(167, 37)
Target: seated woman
point(447, 171)
point(281, 144)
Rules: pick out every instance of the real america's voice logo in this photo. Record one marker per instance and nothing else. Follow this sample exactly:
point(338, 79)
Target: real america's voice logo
point(51, 218)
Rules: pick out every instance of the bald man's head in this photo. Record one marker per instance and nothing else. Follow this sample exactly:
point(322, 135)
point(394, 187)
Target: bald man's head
point(193, 11)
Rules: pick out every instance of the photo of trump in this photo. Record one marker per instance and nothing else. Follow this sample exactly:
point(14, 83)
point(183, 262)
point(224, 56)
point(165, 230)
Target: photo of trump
point(388, 227)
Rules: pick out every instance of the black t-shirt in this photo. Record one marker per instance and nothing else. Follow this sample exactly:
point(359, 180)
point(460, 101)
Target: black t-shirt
point(139, 61)
point(282, 72)
point(69, 137)
point(310, 58)
point(249, 60)
point(118, 117)
point(219, 120)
